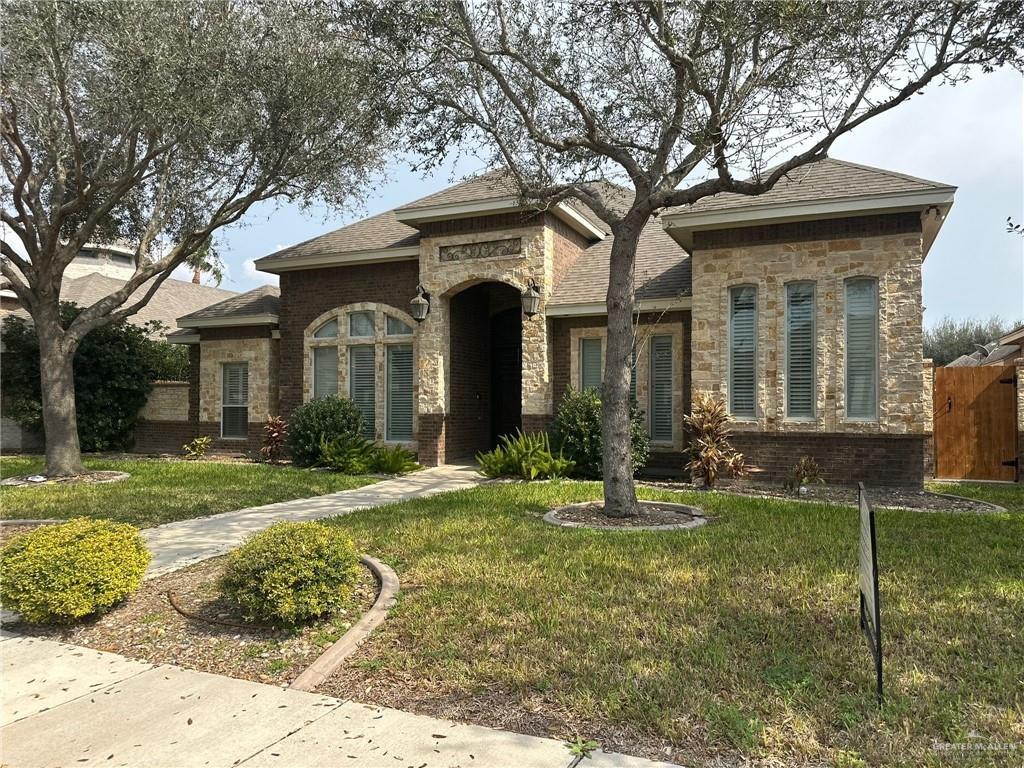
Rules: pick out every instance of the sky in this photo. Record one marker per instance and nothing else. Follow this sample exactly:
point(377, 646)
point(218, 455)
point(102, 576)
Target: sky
point(970, 136)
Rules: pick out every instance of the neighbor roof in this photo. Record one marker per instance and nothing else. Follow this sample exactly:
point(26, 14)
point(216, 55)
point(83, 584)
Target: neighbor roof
point(258, 306)
point(826, 179)
point(172, 299)
point(662, 270)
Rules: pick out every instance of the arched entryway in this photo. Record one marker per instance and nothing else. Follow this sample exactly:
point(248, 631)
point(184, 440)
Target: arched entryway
point(486, 368)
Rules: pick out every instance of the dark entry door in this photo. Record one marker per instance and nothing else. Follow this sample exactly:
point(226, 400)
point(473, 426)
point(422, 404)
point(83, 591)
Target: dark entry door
point(506, 373)
point(976, 423)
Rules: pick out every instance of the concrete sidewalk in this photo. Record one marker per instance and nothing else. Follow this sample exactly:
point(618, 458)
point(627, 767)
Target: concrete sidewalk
point(175, 545)
point(63, 705)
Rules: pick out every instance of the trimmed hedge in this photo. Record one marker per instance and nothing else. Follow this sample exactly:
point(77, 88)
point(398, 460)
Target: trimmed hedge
point(59, 573)
point(291, 573)
point(321, 419)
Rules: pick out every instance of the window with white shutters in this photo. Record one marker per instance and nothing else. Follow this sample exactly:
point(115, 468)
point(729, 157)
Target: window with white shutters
point(325, 371)
point(661, 388)
point(861, 348)
point(590, 364)
point(362, 385)
point(234, 421)
point(399, 392)
point(743, 351)
point(800, 346)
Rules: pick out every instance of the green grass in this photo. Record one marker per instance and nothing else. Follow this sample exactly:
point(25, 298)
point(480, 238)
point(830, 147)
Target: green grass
point(163, 491)
point(738, 639)
point(1010, 496)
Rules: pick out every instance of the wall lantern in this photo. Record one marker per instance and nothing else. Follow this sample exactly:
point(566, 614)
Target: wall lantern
point(420, 304)
point(531, 299)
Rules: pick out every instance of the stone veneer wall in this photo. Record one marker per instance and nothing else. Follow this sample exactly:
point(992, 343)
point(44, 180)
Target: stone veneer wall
point(1019, 370)
point(888, 248)
point(444, 279)
point(167, 401)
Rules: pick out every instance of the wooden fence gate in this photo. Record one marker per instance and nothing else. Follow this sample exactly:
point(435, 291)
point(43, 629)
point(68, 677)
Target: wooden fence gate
point(976, 423)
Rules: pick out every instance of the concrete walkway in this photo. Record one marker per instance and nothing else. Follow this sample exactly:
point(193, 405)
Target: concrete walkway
point(175, 545)
point(62, 705)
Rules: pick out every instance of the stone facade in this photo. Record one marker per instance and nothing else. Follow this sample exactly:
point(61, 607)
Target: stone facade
point(445, 279)
point(168, 401)
point(215, 352)
point(886, 248)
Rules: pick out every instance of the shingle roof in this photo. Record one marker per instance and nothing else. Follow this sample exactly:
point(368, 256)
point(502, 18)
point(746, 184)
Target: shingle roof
point(172, 299)
point(264, 300)
point(662, 270)
point(826, 179)
point(384, 230)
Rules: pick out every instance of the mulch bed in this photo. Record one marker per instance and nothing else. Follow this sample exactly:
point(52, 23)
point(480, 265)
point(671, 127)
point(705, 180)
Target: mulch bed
point(648, 514)
point(900, 498)
point(146, 627)
point(87, 478)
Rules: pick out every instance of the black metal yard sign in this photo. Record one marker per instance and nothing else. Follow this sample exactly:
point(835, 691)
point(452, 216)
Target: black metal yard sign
point(869, 614)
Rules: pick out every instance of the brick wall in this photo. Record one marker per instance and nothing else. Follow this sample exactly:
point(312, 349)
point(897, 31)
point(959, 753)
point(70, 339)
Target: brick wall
point(307, 294)
point(845, 459)
point(566, 248)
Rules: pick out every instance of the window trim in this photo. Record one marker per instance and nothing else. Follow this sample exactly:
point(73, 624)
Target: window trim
point(813, 416)
point(876, 394)
point(223, 398)
point(729, 341)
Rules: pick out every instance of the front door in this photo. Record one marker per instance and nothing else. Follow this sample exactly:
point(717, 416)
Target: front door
point(506, 373)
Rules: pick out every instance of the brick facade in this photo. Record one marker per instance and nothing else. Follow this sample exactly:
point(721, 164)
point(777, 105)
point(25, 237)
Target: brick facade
point(306, 294)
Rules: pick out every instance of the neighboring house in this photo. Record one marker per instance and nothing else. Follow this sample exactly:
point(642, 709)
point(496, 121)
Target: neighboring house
point(1002, 351)
point(98, 271)
point(802, 307)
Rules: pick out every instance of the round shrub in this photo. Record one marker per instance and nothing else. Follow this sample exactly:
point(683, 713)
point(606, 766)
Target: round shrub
point(323, 418)
point(292, 572)
point(59, 573)
point(576, 432)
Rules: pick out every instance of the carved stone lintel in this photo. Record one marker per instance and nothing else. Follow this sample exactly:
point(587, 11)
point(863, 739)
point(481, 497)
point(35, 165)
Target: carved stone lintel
point(491, 249)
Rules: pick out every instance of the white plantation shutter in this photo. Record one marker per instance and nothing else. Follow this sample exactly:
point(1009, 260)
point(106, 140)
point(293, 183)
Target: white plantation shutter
point(399, 395)
point(235, 400)
point(325, 371)
point(362, 385)
point(800, 343)
point(590, 364)
point(861, 348)
point(661, 388)
point(743, 350)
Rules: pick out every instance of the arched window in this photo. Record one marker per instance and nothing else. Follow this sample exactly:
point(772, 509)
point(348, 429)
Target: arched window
point(365, 352)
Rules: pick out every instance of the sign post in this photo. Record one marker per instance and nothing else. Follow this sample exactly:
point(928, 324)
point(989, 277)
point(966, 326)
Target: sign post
point(870, 623)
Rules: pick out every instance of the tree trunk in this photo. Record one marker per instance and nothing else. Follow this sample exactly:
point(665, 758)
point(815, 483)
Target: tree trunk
point(57, 381)
point(619, 491)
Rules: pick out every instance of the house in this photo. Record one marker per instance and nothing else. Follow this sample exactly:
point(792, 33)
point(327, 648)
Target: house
point(95, 272)
point(1002, 351)
point(802, 307)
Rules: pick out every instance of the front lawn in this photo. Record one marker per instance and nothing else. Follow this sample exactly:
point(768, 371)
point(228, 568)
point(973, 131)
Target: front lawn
point(162, 491)
point(737, 640)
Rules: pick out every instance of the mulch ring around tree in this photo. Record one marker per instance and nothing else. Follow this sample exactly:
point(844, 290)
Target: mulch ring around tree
point(893, 498)
point(650, 516)
point(86, 478)
point(148, 628)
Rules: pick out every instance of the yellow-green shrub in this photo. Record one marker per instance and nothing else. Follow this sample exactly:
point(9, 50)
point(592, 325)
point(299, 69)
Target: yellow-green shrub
point(292, 572)
point(59, 573)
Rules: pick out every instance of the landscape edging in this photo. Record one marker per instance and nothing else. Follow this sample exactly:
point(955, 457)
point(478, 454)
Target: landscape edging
point(328, 661)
